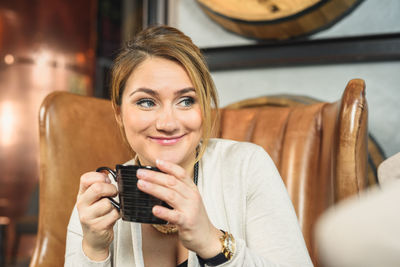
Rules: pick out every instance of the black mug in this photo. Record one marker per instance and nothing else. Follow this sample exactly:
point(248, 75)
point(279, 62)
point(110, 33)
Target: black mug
point(135, 205)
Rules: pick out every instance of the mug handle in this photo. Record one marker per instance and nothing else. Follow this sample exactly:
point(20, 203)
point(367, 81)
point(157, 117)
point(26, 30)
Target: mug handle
point(114, 175)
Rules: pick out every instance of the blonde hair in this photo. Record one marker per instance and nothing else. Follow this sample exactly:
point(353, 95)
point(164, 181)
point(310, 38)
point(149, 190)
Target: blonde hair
point(168, 43)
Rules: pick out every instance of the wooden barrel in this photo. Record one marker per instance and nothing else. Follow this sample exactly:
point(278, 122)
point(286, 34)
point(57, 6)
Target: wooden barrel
point(276, 19)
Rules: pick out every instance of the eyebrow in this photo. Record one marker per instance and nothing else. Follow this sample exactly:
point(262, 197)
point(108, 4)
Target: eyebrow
point(155, 93)
point(184, 91)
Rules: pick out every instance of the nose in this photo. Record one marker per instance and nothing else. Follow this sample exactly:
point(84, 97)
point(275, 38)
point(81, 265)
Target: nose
point(167, 121)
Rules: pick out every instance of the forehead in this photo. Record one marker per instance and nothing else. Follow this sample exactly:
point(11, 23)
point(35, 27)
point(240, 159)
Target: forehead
point(158, 73)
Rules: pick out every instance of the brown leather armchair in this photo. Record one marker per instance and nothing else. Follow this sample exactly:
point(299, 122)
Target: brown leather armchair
point(320, 150)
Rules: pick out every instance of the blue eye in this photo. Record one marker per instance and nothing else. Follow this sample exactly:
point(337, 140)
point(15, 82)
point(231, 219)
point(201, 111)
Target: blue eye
point(145, 103)
point(187, 102)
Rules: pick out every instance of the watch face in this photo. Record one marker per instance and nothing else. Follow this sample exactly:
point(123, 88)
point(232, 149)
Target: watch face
point(229, 245)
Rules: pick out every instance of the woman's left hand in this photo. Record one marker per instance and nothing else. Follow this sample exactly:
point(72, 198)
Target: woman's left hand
point(177, 188)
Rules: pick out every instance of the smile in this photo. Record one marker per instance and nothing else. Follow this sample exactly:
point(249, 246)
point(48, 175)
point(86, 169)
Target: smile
point(166, 140)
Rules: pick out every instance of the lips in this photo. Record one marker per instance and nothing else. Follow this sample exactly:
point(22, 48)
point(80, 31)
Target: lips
point(166, 140)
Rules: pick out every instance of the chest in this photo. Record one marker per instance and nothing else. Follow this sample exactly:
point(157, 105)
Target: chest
point(161, 249)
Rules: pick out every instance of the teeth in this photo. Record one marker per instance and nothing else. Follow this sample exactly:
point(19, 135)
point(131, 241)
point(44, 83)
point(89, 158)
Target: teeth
point(168, 141)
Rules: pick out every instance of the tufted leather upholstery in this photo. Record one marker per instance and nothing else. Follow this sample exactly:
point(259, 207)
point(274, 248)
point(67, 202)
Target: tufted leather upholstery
point(320, 151)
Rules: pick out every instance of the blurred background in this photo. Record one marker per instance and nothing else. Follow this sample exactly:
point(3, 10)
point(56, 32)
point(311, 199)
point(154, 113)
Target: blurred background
point(69, 45)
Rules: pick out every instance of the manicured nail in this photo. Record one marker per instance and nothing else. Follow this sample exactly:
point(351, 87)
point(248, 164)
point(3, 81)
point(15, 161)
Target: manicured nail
point(141, 173)
point(142, 183)
point(156, 210)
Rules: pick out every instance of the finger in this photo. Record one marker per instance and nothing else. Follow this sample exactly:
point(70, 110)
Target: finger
point(168, 195)
point(90, 178)
point(110, 218)
point(174, 170)
point(106, 221)
point(97, 191)
point(100, 208)
point(171, 216)
point(157, 177)
point(165, 180)
point(94, 211)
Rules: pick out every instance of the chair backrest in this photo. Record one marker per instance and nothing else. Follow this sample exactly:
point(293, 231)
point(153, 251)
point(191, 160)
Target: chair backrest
point(320, 150)
point(77, 135)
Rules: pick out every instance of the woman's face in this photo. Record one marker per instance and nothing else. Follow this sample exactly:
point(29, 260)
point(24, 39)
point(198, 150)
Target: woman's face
point(161, 114)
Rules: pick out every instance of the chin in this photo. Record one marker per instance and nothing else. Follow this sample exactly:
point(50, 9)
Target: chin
point(171, 157)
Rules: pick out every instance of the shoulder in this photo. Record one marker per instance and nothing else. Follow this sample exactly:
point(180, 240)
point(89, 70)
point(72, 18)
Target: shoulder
point(241, 167)
point(237, 157)
point(233, 150)
point(228, 146)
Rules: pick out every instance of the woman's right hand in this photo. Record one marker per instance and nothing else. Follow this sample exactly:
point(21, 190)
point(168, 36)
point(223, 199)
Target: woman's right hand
point(96, 214)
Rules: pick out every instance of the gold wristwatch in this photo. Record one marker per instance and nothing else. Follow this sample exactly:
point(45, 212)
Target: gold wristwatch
point(228, 245)
point(228, 249)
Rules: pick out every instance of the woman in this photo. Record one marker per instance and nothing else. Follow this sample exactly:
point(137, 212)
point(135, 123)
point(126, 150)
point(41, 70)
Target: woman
point(225, 196)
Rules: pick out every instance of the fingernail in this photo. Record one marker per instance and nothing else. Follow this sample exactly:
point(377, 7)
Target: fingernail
point(156, 210)
point(141, 172)
point(142, 183)
point(159, 162)
point(108, 181)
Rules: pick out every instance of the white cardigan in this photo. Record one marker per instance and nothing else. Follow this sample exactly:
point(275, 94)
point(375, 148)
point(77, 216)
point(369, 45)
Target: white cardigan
point(243, 194)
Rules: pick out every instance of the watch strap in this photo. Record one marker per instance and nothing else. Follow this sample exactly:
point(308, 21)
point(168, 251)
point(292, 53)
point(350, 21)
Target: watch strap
point(224, 256)
point(214, 261)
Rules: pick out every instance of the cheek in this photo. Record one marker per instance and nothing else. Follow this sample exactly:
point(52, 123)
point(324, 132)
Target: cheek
point(134, 122)
point(194, 121)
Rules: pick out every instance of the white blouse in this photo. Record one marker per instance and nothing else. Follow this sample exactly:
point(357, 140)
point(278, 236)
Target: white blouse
point(243, 194)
